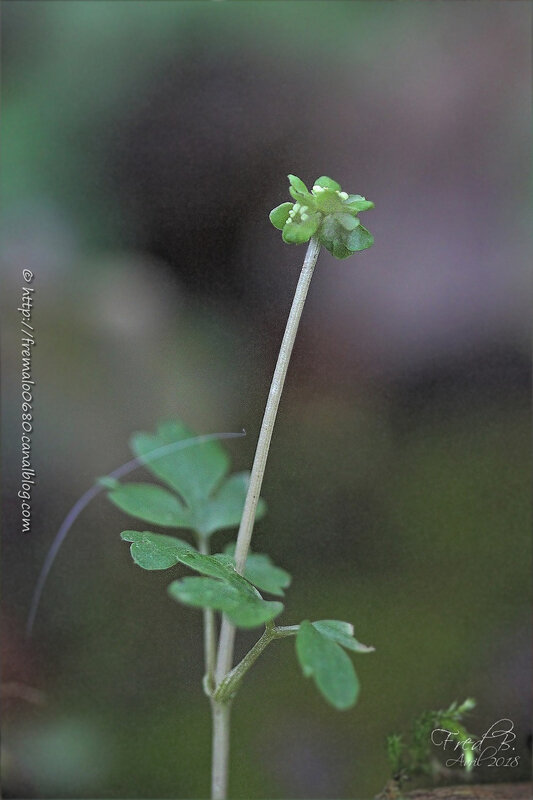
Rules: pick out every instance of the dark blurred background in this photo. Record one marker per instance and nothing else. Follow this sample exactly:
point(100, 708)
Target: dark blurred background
point(144, 145)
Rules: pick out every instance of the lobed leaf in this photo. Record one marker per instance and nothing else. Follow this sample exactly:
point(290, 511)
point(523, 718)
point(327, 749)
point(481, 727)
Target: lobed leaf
point(222, 589)
point(244, 609)
point(157, 551)
point(329, 666)
point(151, 503)
point(196, 473)
point(193, 472)
point(154, 550)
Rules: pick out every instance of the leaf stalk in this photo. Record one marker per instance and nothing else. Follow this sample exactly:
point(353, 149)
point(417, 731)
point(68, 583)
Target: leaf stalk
point(226, 690)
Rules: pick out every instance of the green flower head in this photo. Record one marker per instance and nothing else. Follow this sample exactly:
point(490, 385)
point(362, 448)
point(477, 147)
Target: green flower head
point(325, 212)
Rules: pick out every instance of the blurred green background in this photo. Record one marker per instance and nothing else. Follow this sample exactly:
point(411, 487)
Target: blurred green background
point(144, 145)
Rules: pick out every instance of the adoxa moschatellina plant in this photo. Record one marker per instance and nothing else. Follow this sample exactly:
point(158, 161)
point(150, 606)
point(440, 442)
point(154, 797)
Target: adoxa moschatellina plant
point(201, 498)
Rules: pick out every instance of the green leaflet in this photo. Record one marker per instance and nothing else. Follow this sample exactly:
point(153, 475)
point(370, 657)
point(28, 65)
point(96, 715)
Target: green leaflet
point(151, 503)
point(206, 500)
point(261, 571)
point(342, 633)
point(153, 550)
point(244, 609)
point(193, 472)
point(157, 551)
point(326, 662)
point(214, 568)
point(222, 589)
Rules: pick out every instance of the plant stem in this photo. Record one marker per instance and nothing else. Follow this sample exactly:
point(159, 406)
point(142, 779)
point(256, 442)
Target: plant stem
point(285, 630)
point(221, 708)
point(219, 768)
point(271, 409)
point(209, 632)
point(221, 712)
point(227, 631)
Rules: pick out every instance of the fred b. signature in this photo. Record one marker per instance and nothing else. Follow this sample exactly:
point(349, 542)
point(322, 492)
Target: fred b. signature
point(495, 748)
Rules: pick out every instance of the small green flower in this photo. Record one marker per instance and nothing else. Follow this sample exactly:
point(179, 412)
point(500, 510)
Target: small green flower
point(325, 212)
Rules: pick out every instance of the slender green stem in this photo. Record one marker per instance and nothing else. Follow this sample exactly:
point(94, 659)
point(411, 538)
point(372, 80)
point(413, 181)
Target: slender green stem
point(219, 768)
point(227, 631)
point(227, 689)
point(285, 630)
point(271, 409)
point(210, 645)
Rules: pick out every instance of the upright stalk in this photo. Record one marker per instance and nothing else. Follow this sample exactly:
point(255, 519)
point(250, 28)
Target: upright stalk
point(271, 409)
point(227, 631)
point(219, 768)
point(210, 646)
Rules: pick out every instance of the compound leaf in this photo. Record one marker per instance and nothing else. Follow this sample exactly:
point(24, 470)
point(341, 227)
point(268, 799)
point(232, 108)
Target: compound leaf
point(193, 471)
point(205, 501)
point(327, 663)
point(157, 551)
point(244, 609)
